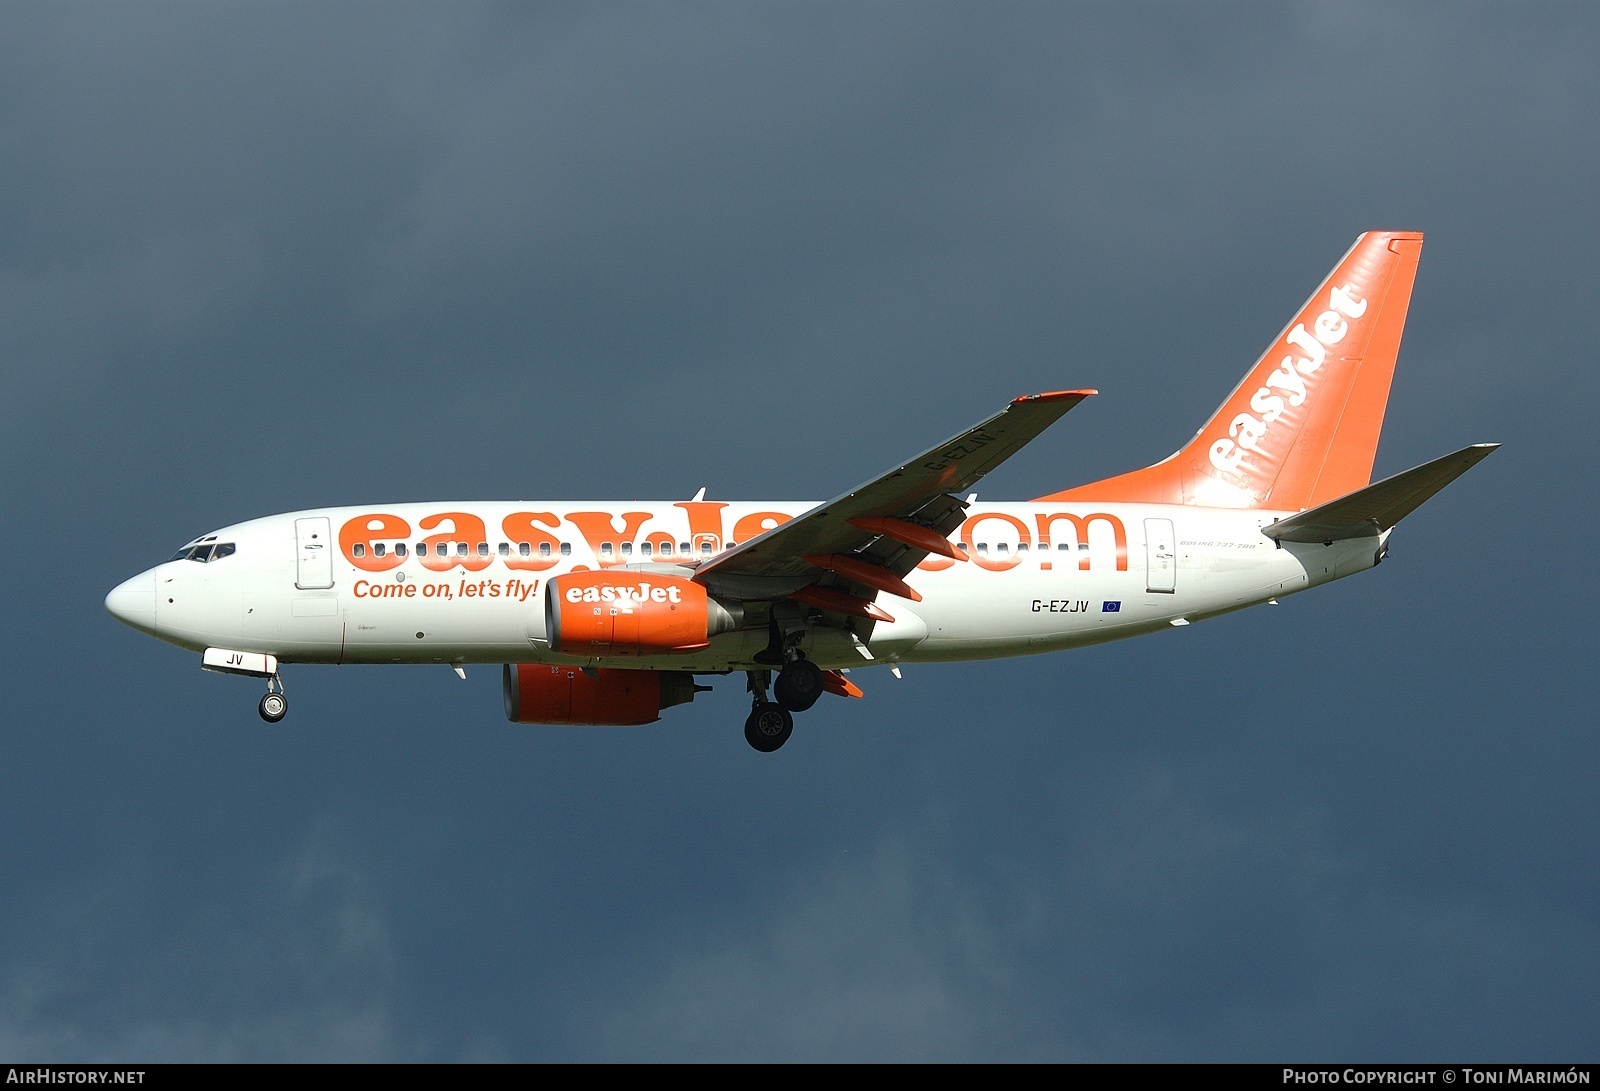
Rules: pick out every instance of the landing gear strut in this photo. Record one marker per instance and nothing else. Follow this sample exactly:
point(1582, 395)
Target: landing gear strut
point(769, 724)
point(274, 706)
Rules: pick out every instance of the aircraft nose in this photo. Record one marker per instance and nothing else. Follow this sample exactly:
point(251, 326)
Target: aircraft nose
point(133, 602)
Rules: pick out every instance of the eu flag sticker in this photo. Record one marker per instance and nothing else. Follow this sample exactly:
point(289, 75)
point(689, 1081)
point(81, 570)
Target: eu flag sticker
point(1112, 607)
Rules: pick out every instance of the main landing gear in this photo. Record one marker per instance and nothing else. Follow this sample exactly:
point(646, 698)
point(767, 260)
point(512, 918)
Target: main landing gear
point(768, 726)
point(798, 686)
point(274, 706)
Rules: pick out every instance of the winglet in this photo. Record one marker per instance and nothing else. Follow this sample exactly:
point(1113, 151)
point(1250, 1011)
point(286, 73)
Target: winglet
point(1055, 396)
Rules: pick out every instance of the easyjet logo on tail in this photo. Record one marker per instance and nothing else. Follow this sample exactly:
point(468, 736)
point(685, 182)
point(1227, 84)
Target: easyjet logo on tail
point(1288, 387)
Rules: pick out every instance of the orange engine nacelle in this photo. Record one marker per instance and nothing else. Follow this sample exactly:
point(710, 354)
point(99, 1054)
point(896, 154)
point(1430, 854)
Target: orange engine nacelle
point(631, 614)
point(540, 693)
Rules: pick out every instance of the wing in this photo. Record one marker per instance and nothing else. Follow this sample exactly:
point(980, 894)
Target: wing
point(867, 539)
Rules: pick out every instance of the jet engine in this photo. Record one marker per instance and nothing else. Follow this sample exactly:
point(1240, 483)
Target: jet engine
point(632, 614)
point(541, 693)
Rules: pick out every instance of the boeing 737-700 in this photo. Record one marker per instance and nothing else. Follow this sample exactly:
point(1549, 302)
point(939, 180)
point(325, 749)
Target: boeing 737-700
point(608, 613)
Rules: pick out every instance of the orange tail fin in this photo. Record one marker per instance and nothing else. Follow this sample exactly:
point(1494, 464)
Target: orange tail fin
point(1302, 428)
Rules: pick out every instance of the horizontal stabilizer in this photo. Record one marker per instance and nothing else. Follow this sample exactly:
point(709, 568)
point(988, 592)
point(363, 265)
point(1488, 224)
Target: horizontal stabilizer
point(1379, 506)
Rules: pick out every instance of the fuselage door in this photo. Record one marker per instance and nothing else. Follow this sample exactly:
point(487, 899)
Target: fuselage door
point(1161, 556)
point(315, 567)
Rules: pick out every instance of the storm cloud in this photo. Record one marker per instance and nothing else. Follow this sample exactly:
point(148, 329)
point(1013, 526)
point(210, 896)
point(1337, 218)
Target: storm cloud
point(262, 257)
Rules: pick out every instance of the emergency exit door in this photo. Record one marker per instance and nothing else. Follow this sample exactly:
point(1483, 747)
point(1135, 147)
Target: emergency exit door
point(314, 570)
point(1161, 556)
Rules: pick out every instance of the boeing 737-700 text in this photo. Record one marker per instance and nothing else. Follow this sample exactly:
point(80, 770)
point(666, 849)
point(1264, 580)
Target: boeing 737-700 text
point(606, 613)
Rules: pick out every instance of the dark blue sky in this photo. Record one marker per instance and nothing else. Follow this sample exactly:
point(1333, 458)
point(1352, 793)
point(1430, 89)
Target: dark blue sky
point(265, 257)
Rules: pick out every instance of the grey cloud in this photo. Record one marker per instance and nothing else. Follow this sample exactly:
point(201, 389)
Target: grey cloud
point(257, 258)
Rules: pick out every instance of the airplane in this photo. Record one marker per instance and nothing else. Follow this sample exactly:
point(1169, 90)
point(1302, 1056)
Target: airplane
point(608, 613)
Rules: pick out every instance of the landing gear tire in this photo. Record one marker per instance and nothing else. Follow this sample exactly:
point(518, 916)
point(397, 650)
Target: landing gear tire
point(768, 727)
point(273, 707)
point(798, 686)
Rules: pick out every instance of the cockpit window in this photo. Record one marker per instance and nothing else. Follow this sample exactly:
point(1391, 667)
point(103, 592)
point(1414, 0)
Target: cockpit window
point(204, 553)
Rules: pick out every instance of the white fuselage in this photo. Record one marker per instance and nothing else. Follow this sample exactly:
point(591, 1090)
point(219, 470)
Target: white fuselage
point(348, 585)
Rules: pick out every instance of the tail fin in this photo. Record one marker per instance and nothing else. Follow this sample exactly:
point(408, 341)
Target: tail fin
point(1302, 428)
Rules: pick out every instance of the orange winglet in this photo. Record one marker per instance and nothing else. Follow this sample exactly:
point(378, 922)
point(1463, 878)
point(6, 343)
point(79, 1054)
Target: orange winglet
point(1054, 396)
point(861, 571)
point(834, 682)
point(929, 541)
point(826, 598)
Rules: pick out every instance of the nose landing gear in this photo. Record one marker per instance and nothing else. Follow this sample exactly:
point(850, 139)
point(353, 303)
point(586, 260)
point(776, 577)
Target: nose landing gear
point(274, 706)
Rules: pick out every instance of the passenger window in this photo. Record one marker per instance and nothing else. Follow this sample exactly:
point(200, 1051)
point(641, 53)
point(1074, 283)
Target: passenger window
point(399, 549)
point(523, 550)
point(483, 549)
point(605, 549)
point(544, 549)
point(505, 549)
point(1002, 548)
point(1022, 547)
point(566, 549)
point(705, 549)
point(983, 547)
point(964, 547)
point(359, 550)
point(683, 547)
point(666, 549)
point(422, 549)
point(1063, 547)
point(645, 549)
point(461, 549)
point(627, 549)
point(378, 549)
